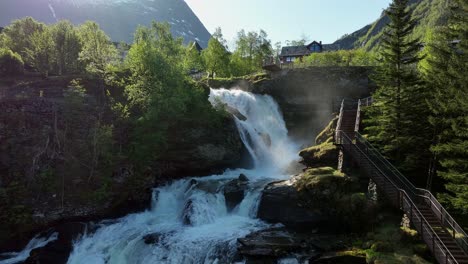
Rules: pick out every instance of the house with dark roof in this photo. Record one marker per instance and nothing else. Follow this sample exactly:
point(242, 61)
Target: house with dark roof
point(195, 45)
point(290, 54)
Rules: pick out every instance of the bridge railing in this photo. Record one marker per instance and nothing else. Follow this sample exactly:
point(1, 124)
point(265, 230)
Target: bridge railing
point(397, 196)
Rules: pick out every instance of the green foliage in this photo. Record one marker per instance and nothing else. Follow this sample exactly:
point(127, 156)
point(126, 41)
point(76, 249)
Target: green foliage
point(97, 50)
point(160, 93)
point(39, 53)
point(15, 212)
point(358, 57)
point(216, 56)
point(394, 121)
point(18, 35)
point(193, 60)
point(445, 72)
point(429, 14)
point(67, 47)
point(251, 50)
point(10, 63)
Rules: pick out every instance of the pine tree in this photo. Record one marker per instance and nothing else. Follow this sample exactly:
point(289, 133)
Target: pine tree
point(445, 71)
point(397, 122)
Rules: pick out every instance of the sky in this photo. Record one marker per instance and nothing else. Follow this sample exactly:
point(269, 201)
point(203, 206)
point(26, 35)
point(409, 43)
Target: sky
point(320, 20)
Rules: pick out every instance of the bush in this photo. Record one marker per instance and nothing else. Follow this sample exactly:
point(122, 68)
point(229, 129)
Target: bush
point(10, 63)
point(382, 246)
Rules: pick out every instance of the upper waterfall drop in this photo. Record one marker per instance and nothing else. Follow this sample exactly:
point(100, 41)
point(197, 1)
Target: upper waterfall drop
point(263, 131)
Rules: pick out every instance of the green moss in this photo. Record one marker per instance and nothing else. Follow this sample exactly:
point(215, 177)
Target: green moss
point(389, 244)
point(327, 133)
point(325, 154)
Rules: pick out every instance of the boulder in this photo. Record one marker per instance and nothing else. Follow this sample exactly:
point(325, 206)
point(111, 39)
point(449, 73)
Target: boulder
point(334, 259)
point(281, 203)
point(325, 154)
point(188, 210)
point(235, 112)
point(234, 191)
point(270, 243)
point(280, 243)
point(327, 133)
point(59, 250)
point(153, 238)
point(243, 178)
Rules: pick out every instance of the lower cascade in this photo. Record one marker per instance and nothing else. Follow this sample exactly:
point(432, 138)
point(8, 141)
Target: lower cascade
point(198, 220)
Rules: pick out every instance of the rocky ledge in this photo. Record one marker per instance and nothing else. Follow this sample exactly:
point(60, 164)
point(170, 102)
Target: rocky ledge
point(269, 246)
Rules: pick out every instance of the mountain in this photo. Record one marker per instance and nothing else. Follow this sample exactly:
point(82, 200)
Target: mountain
point(118, 18)
point(428, 14)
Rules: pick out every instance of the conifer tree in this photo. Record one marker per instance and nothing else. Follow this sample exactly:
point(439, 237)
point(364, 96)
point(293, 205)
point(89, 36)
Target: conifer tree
point(445, 71)
point(397, 122)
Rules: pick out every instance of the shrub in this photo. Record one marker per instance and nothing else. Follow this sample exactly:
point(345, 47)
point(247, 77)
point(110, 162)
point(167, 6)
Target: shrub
point(382, 246)
point(10, 63)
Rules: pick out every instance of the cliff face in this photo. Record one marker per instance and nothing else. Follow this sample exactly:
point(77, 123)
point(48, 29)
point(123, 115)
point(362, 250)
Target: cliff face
point(49, 172)
point(308, 97)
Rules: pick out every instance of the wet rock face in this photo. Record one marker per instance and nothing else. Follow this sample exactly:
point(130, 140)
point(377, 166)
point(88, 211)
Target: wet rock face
point(281, 203)
point(58, 251)
point(268, 246)
point(234, 191)
point(308, 97)
point(152, 238)
point(202, 150)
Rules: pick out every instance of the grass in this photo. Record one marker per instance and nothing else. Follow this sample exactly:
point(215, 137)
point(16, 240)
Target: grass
point(390, 243)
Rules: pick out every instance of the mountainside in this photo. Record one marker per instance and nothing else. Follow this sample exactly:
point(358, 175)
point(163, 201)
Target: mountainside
point(118, 18)
point(428, 13)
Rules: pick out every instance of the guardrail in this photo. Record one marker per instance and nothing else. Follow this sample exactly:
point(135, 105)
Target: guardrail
point(397, 196)
point(417, 194)
point(338, 124)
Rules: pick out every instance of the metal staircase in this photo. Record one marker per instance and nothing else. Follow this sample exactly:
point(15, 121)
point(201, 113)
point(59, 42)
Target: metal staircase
point(444, 237)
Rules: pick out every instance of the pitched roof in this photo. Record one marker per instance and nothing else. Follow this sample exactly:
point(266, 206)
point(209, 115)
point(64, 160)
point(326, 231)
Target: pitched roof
point(314, 42)
point(298, 50)
point(294, 51)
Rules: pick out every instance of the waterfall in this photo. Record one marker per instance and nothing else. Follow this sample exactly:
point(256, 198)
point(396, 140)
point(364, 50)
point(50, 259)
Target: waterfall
point(188, 221)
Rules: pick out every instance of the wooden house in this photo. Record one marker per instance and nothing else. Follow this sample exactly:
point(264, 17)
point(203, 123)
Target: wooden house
point(290, 54)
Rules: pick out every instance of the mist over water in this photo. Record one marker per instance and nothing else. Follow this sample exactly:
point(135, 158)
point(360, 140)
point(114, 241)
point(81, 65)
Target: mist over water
point(188, 221)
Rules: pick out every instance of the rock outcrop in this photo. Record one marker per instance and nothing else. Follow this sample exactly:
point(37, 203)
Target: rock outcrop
point(308, 97)
point(322, 198)
point(268, 246)
point(281, 203)
point(234, 191)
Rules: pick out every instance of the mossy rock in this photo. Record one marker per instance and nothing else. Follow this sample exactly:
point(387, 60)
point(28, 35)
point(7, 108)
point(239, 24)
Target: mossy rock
point(327, 134)
point(325, 154)
point(332, 193)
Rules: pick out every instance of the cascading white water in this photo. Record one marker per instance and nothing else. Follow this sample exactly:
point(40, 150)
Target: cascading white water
point(189, 221)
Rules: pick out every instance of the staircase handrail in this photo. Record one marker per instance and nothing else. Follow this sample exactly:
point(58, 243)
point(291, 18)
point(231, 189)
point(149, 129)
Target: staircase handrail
point(358, 117)
point(409, 186)
point(443, 215)
point(405, 194)
point(447, 220)
point(338, 124)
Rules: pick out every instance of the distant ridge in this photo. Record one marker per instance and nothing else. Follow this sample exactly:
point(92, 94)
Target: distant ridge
point(428, 13)
point(118, 18)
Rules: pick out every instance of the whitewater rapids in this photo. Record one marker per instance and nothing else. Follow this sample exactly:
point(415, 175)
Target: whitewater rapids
point(208, 232)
